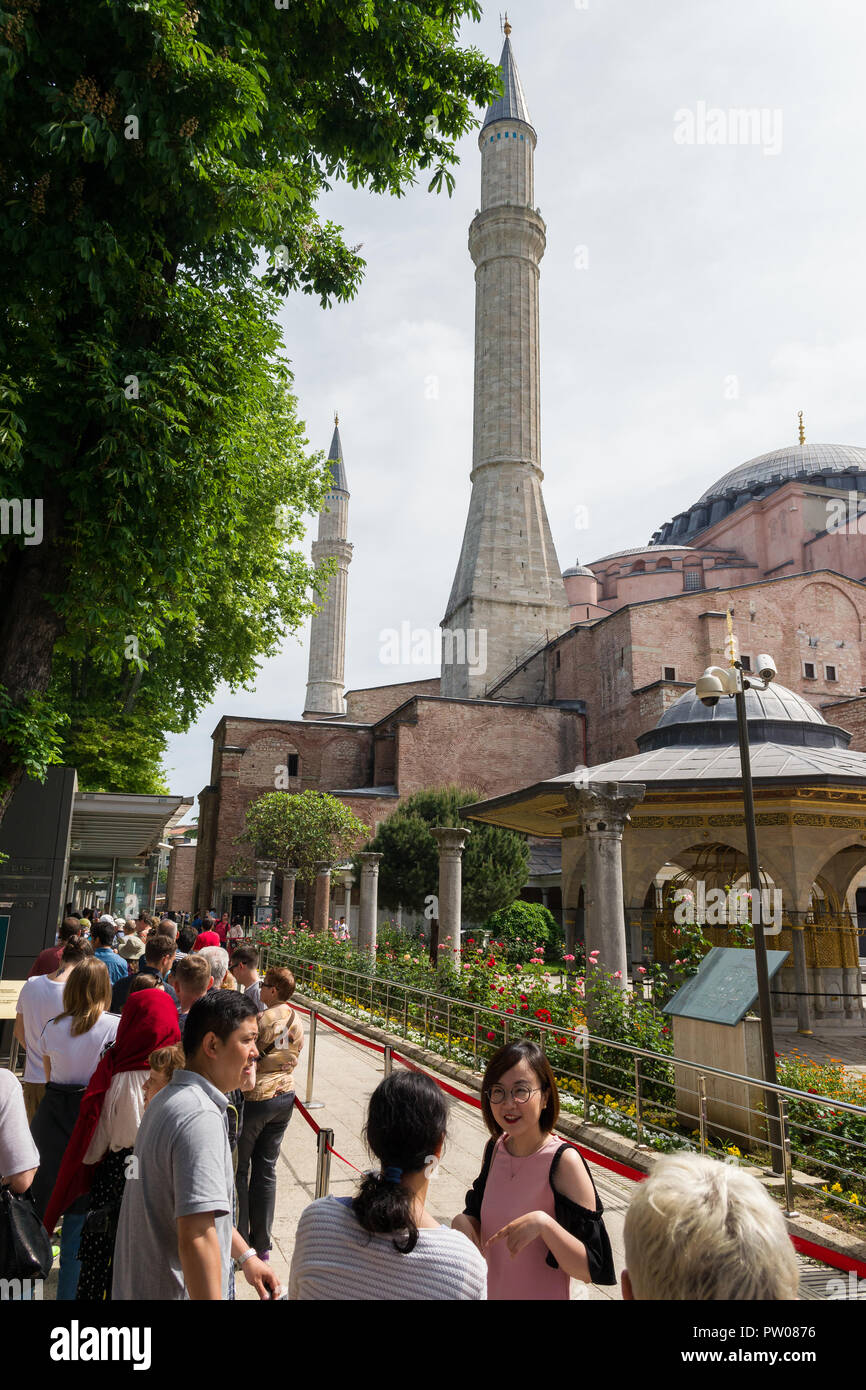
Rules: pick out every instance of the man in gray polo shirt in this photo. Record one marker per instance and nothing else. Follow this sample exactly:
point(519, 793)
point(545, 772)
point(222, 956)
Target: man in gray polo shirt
point(175, 1238)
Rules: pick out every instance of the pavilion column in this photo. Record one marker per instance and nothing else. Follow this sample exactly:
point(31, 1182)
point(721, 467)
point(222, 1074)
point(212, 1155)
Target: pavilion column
point(265, 871)
point(348, 880)
point(369, 902)
point(604, 810)
point(322, 900)
point(451, 842)
point(287, 908)
point(801, 980)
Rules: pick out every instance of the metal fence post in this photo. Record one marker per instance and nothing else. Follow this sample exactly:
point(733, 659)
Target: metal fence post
point(405, 1013)
point(324, 1138)
point(586, 1078)
point(311, 1066)
point(786, 1156)
point(637, 1101)
point(389, 1063)
point(448, 1026)
point(702, 1110)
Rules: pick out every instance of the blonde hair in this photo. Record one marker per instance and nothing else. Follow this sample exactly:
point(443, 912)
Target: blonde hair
point(700, 1230)
point(86, 995)
point(167, 1060)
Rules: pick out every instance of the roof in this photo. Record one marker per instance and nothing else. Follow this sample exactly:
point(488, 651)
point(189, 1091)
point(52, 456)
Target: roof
point(792, 461)
point(111, 825)
point(335, 459)
point(511, 106)
point(640, 550)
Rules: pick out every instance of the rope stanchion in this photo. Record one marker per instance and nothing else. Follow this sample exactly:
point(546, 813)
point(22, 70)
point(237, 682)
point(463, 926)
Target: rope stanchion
point(311, 1065)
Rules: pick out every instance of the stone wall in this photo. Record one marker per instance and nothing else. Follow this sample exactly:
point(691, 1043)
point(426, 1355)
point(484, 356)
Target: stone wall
point(368, 706)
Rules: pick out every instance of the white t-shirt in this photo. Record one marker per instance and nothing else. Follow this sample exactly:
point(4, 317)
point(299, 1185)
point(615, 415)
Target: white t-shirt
point(74, 1060)
point(17, 1149)
point(40, 999)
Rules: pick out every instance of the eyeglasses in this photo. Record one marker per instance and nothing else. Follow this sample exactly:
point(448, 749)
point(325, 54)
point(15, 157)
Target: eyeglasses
point(521, 1093)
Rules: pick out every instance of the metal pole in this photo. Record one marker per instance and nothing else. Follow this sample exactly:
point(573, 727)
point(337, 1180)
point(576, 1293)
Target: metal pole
point(311, 1066)
point(389, 1064)
point(786, 1151)
point(702, 1110)
point(637, 1101)
point(448, 1026)
point(323, 1161)
point(586, 1080)
point(767, 1043)
point(405, 1013)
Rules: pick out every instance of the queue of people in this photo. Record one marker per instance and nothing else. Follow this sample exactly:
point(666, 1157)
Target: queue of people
point(154, 1105)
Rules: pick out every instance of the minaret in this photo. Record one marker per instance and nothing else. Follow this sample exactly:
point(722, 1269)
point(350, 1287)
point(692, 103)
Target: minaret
point(328, 629)
point(508, 593)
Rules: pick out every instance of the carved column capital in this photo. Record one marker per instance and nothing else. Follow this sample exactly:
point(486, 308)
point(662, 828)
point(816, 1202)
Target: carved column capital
point(605, 806)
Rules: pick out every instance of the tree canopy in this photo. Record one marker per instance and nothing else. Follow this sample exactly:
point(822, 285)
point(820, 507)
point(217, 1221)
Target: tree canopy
point(299, 830)
point(495, 861)
point(160, 174)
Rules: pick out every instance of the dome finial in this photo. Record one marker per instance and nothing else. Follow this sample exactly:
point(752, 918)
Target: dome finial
point(336, 418)
point(802, 427)
point(506, 28)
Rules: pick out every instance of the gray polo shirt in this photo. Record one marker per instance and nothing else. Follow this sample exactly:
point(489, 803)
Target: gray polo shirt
point(183, 1166)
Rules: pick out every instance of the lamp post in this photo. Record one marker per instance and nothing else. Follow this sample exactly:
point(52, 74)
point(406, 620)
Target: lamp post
point(711, 686)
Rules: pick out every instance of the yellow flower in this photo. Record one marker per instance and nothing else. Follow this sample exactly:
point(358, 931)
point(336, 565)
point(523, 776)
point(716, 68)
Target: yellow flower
point(837, 1187)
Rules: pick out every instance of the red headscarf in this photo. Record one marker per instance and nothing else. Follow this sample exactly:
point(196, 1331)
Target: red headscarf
point(206, 938)
point(148, 1021)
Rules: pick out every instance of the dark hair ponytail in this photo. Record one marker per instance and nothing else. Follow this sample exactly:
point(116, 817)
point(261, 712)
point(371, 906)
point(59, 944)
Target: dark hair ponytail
point(75, 950)
point(406, 1122)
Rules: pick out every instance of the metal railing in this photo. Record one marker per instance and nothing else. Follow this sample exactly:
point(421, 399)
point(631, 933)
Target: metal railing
point(647, 1095)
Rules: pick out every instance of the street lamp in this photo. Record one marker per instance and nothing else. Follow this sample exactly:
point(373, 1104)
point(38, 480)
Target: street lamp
point(716, 683)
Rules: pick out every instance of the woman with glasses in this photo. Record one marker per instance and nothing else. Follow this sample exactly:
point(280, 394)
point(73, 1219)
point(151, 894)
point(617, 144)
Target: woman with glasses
point(533, 1210)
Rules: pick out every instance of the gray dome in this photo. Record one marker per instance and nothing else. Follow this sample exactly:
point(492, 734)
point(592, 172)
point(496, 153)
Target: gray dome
point(579, 569)
point(794, 461)
point(776, 715)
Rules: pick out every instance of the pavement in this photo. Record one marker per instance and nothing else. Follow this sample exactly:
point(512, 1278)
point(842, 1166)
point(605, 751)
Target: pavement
point(346, 1074)
point(821, 1046)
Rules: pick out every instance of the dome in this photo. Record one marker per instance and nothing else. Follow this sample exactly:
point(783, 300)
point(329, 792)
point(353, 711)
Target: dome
point(578, 569)
point(775, 715)
point(641, 550)
point(794, 461)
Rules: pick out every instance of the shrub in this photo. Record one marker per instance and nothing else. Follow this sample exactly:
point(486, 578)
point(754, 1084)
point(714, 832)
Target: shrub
point(521, 928)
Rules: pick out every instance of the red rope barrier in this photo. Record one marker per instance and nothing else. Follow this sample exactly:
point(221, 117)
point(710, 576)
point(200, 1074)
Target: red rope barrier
point(374, 1047)
point(299, 1105)
point(829, 1257)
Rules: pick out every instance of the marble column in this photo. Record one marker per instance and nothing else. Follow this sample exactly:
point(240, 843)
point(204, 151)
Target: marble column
point(348, 881)
point(265, 871)
point(369, 902)
point(801, 979)
point(451, 842)
point(323, 896)
point(287, 910)
point(604, 810)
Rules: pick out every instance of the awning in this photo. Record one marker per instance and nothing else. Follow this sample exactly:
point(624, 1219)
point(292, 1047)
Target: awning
point(110, 825)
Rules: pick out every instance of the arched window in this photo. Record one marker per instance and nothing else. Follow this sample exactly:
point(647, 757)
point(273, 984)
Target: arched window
point(664, 563)
point(638, 567)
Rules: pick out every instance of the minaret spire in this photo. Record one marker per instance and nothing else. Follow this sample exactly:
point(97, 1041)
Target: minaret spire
point(326, 673)
point(508, 592)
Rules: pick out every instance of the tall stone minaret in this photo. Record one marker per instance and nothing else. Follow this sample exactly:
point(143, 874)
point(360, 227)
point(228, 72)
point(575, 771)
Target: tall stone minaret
point(325, 678)
point(508, 592)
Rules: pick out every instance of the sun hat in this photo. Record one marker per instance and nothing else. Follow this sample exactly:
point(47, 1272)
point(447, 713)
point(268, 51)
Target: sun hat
point(132, 948)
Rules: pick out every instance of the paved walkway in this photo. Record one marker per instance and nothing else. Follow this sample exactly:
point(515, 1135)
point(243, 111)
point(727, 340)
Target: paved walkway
point(847, 1048)
point(346, 1075)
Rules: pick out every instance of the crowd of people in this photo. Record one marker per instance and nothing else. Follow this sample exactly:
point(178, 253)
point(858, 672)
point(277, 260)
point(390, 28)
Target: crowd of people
point(157, 1089)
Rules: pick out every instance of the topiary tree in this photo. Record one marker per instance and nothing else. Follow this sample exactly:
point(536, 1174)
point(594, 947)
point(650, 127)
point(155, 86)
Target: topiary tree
point(523, 926)
point(300, 829)
point(495, 861)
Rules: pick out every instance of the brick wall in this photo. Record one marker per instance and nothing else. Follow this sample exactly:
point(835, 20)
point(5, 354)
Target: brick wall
point(371, 705)
point(181, 872)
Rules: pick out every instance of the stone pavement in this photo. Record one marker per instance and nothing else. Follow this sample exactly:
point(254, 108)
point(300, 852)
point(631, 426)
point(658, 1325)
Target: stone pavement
point(346, 1075)
point(847, 1048)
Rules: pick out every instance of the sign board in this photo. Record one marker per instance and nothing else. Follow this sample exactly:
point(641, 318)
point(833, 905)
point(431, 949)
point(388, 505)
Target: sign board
point(265, 914)
point(725, 987)
point(9, 992)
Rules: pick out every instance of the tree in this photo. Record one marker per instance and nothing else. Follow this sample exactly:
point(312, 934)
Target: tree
point(495, 861)
point(160, 175)
point(521, 927)
point(299, 830)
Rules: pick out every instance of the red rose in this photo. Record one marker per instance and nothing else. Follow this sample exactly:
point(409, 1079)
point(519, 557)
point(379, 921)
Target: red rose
point(509, 1011)
point(491, 1037)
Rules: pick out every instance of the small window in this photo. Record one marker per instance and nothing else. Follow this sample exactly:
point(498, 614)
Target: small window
point(830, 673)
point(670, 673)
point(558, 657)
point(746, 662)
point(809, 670)
point(692, 579)
point(292, 764)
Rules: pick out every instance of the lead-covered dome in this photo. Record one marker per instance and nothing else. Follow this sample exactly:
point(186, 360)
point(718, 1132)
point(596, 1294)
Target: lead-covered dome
point(775, 715)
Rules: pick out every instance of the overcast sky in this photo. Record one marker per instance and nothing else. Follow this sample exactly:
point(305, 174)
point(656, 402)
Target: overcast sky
point(694, 297)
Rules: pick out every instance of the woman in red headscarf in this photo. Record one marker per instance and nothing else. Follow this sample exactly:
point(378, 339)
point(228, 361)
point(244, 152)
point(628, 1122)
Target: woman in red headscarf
point(111, 1109)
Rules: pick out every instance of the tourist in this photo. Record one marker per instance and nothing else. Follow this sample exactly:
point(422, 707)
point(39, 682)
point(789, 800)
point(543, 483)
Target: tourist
point(221, 927)
point(40, 999)
point(533, 1209)
point(383, 1242)
point(141, 982)
point(132, 951)
point(72, 1045)
point(186, 940)
point(158, 955)
point(235, 935)
point(49, 960)
point(697, 1230)
point(192, 979)
point(175, 1238)
point(219, 963)
point(244, 963)
point(268, 1108)
point(19, 1156)
point(206, 938)
point(103, 936)
point(95, 1161)
point(164, 1062)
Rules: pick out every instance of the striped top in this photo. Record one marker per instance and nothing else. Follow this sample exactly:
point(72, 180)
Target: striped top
point(335, 1259)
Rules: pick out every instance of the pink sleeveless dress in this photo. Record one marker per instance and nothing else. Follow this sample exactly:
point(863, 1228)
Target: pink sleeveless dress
point(514, 1187)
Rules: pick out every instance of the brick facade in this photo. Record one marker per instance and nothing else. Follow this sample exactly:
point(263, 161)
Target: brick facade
point(181, 875)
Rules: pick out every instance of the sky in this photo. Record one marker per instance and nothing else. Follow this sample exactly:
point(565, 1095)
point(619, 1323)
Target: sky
point(703, 281)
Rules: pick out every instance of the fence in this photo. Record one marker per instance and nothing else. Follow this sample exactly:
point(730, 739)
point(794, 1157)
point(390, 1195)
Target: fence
point(652, 1097)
